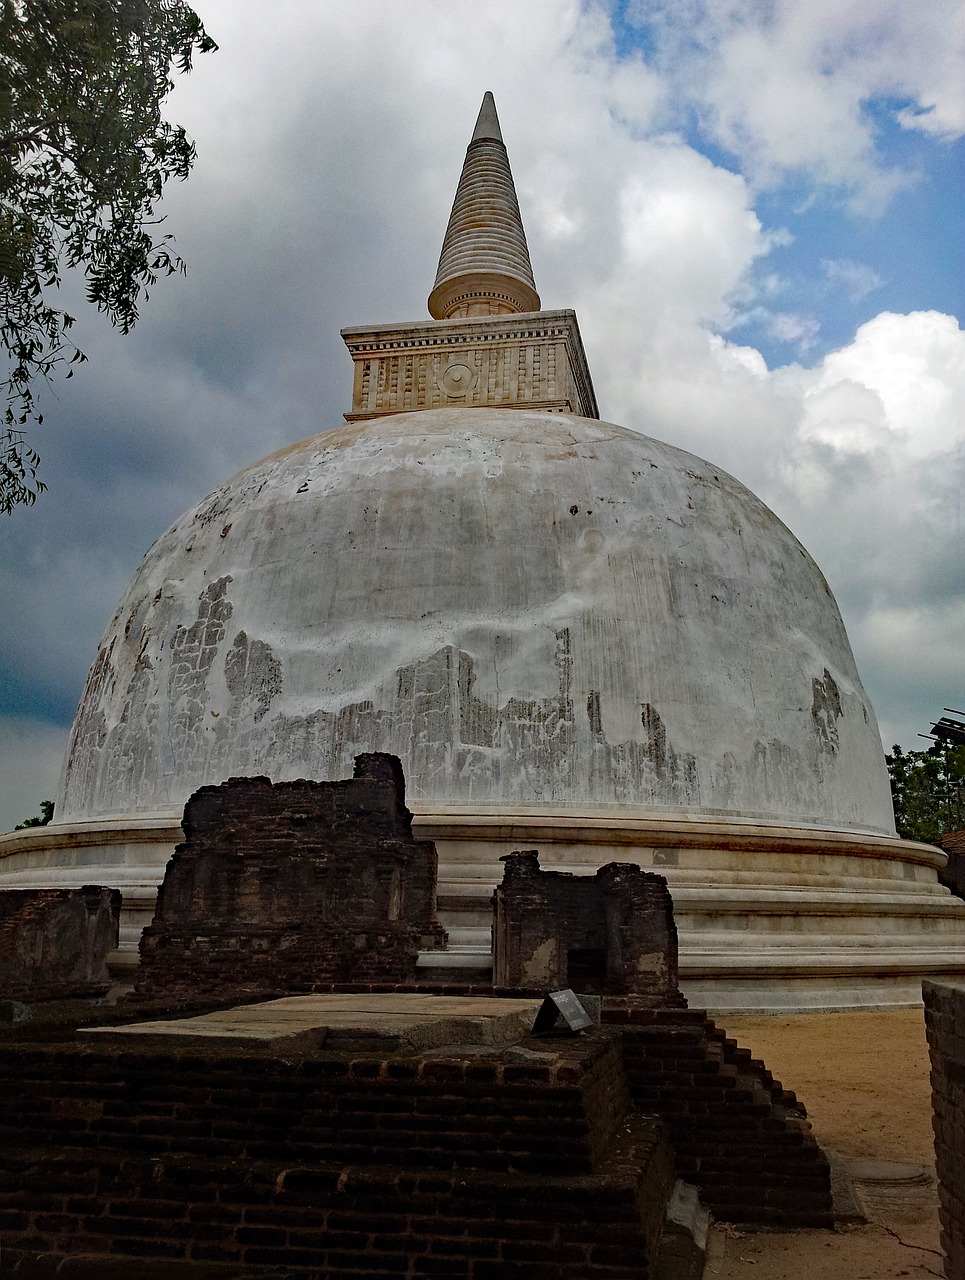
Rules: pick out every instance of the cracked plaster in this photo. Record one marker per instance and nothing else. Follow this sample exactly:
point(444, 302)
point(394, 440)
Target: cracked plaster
point(526, 608)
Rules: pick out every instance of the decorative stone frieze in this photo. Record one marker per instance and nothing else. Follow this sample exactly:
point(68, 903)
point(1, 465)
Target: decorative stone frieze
point(528, 361)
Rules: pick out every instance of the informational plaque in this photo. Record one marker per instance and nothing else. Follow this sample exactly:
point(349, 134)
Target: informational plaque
point(561, 1014)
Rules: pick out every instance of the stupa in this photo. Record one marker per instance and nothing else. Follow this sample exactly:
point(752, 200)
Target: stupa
point(575, 637)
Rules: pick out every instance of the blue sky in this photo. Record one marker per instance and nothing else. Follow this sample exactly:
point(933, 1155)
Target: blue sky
point(911, 251)
point(841, 267)
point(755, 208)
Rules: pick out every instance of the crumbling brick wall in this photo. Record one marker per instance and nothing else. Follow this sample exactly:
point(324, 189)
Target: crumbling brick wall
point(945, 1023)
point(738, 1135)
point(150, 1161)
point(279, 887)
point(611, 933)
point(54, 942)
point(462, 1160)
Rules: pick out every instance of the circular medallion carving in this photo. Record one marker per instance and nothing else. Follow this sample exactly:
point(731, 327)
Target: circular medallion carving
point(457, 379)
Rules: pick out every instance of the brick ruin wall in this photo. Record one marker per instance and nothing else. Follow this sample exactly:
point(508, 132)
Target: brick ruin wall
point(610, 933)
point(54, 943)
point(279, 888)
point(738, 1135)
point(945, 1024)
point(477, 1167)
point(549, 1159)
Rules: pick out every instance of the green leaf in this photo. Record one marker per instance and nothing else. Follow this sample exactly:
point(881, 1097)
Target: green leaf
point(84, 156)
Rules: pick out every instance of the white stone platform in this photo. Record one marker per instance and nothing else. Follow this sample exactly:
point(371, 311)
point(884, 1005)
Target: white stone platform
point(769, 918)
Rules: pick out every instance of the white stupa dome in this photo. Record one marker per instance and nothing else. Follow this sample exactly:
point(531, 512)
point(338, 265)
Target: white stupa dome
point(527, 608)
point(575, 638)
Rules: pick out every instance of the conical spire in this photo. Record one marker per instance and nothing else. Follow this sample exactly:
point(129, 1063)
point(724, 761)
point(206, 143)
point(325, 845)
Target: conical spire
point(484, 268)
point(487, 122)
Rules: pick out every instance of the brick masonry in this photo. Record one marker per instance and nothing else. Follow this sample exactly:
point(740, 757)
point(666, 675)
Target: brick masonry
point(551, 1160)
point(547, 1160)
point(281, 887)
point(611, 933)
point(54, 943)
point(737, 1134)
point(249, 1164)
point(945, 1024)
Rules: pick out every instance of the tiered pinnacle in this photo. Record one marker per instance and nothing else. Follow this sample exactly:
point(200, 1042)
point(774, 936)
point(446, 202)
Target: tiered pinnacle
point(484, 268)
point(488, 344)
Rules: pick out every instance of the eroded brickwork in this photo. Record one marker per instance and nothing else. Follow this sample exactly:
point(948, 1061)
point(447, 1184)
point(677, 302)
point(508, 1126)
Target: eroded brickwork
point(279, 887)
point(54, 943)
point(611, 933)
point(738, 1135)
point(945, 1023)
point(479, 1167)
point(551, 1154)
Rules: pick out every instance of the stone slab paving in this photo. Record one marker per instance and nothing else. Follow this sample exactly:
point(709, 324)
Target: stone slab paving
point(377, 1021)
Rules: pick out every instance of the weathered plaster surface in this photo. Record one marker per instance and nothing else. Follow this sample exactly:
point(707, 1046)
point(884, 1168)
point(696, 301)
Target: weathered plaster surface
point(526, 608)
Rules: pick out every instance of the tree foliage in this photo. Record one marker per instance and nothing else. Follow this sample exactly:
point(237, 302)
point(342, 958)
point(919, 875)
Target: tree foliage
point(84, 155)
point(928, 790)
point(41, 820)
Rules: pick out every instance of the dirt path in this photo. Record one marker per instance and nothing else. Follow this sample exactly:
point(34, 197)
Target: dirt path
point(864, 1078)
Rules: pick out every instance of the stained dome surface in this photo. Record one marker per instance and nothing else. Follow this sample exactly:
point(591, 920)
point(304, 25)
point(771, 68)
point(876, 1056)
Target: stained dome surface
point(530, 609)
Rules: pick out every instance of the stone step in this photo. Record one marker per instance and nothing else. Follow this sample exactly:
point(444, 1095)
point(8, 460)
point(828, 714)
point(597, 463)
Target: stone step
point(471, 936)
point(451, 920)
point(475, 905)
point(472, 958)
point(467, 920)
point(683, 1242)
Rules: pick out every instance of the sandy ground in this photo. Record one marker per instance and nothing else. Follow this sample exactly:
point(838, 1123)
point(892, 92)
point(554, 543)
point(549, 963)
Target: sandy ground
point(864, 1078)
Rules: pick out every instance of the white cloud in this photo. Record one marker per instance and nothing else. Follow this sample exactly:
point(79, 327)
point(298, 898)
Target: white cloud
point(918, 650)
point(799, 331)
point(915, 364)
point(855, 278)
point(786, 86)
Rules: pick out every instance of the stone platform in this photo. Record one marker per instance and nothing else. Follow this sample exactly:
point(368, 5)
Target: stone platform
point(346, 1023)
point(769, 918)
point(228, 1145)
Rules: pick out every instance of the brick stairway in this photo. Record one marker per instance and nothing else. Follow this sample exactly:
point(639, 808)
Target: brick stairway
point(737, 1134)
